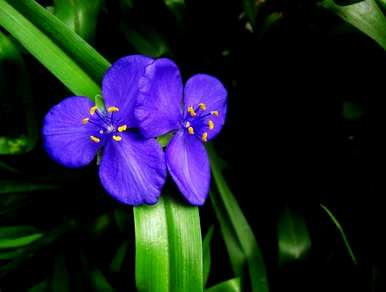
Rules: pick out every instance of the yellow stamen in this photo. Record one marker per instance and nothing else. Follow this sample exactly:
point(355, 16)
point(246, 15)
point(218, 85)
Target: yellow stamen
point(122, 128)
point(210, 125)
point(214, 113)
point(191, 130)
point(202, 106)
point(117, 138)
point(93, 110)
point(85, 121)
point(204, 137)
point(112, 109)
point(95, 139)
point(191, 111)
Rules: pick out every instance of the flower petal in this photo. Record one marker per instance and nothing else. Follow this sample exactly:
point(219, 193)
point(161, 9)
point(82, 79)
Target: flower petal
point(188, 164)
point(120, 86)
point(202, 88)
point(66, 138)
point(133, 170)
point(158, 110)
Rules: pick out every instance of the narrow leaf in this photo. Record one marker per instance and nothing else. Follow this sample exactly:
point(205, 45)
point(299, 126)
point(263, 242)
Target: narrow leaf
point(60, 281)
point(206, 254)
point(168, 247)
point(71, 43)
point(43, 49)
point(342, 233)
point(100, 282)
point(243, 231)
point(232, 285)
point(119, 257)
point(235, 252)
point(16, 236)
point(19, 186)
point(365, 16)
point(293, 236)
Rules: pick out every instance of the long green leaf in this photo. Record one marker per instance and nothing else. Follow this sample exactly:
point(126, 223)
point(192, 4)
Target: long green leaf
point(43, 49)
point(168, 247)
point(365, 16)
point(60, 281)
point(294, 239)
point(206, 254)
point(73, 45)
point(236, 255)
point(243, 231)
point(18, 186)
point(341, 231)
point(232, 285)
point(17, 236)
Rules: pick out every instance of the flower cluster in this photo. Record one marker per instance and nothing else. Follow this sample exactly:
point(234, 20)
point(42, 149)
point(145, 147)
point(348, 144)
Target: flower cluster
point(143, 99)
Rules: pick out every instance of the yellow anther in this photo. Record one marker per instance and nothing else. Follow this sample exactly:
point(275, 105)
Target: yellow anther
point(214, 113)
point(85, 121)
point(122, 128)
point(117, 138)
point(93, 110)
point(112, 109)
point(95, 139)
point(191, 111)
point(190, 130)
point(210, 125)
point(204, 137)
point(202, 106)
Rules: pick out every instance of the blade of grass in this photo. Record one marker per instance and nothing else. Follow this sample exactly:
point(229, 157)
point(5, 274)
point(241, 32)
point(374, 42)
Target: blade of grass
point(206, 254)
point(243, 231)
point(341, 231)
point(168, 247)
point(232, 285)
point(78, 49)
point(43, 49)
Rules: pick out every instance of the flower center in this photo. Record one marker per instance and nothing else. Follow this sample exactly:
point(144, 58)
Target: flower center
point(199, 121)
point(104, 123)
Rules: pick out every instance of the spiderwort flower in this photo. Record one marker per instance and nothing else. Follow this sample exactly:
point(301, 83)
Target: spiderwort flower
point(199, 120)
point(132, 168)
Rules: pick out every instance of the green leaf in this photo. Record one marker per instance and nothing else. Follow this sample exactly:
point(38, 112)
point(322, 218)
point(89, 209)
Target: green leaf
point(342, 233)
point(176, 7)
point(8, 254)
point(100, 282)
point(41, 287)
point(164, 139)
point(168, 247)
point(19, 186)
point(232, 285)
point(119, 257)
point(79, 15)
point(250, 8)
point(242, 230)
point(6, 167)
point(206, 257)
point(149, 43)
point(293, 236)
point(72, 44)
point(346, 2)
point(60, 281)
point(236, 255)
point(365, 16)
point(17, 236)
point(43, 49)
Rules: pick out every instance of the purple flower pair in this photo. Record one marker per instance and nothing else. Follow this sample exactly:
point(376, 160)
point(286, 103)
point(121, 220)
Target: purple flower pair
point(142, 101)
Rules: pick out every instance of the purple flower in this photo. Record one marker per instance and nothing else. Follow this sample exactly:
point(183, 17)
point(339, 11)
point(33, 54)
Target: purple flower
point(159, 111)
point(132, 168)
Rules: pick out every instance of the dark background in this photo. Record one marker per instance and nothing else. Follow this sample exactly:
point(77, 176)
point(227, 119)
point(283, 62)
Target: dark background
point(289, 140)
